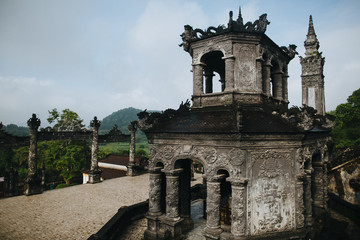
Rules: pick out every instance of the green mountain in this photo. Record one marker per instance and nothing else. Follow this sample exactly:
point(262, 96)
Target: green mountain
point(121, 118)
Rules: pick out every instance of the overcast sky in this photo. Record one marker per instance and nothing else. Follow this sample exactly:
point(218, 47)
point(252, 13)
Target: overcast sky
point(98, 56)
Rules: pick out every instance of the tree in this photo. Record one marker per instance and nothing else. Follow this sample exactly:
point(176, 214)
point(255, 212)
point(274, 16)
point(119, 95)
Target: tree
point(65, 157)
point(346, 133)
point(66, 121)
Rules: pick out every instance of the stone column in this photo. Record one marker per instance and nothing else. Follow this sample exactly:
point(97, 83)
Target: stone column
point(285, 77)
point(154, 212)
point(95, 172)
point(308, 198)
point(33, 179)
point(171, 224)
point(277, 85)
point(229, 73)
point(155, 192)
point(172, 195)
point(198, 81)
point(131, 166)
point(238, 208)
point(299, 200)
point(266, 71)
point(213, 228)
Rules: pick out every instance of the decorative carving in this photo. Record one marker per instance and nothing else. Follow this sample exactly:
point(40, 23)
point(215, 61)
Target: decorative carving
point(290, 50)
point(154, 193)
point(190, 35)
point(237, 157)
point(272, 194)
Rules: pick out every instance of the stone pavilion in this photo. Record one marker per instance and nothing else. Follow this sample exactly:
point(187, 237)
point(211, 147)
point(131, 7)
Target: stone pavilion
point(264, 164)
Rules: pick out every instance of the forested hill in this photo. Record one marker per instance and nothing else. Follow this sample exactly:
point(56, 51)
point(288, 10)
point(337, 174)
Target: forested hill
point(121, 118)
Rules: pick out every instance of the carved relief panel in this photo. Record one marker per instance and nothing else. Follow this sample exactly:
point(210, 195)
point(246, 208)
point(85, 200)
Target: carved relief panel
point(271, 194)
point(245, 67)
point(213, 159)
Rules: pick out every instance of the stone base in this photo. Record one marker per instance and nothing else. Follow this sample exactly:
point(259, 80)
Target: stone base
point(94, 176)
point(131, 170)
point(33, 184)
point(212, 233)
point(171, 229)
point(187, 225)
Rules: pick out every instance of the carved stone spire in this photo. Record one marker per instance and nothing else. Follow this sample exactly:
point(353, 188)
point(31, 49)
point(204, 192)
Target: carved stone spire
point(311, 43)
point(312, 72)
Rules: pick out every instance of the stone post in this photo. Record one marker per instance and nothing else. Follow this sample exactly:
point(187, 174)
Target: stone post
point(33, 179)
point(308, 198)
point(154, 212)
point(277, 85)
point(285, 77)
point(198, 81)
point(300, 200)
point(266, 73)
point(238, 208)
point(172, 195)
point(131, 166)
point(155, 192)
point(171, 224)
point(95, 172)
point(213, 228)
point(229, 73)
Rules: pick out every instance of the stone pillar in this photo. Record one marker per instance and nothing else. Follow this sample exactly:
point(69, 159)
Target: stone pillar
point(155, 192)
point(172, 195)
point(229, 73)
point(171, 224)
point(213, 228)
point(131, 166)
point(33, 179)
point(95, 172)
point(198, 81)
point(154, 205)
point(238, 208)
point(299, 200)
point(285, 77)
point(266, 74)
point(308, 198)
point(277, 85)
point(208, 80)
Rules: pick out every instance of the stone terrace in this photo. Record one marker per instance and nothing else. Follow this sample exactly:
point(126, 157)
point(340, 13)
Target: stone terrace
point(70, 213)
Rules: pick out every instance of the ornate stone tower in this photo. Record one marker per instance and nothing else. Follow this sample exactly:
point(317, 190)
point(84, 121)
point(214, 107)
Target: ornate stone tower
point(312, 73)
point(264, 165)
point(251, 68)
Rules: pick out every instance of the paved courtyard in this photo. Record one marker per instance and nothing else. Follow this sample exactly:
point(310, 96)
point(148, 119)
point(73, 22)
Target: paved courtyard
point(70, 213)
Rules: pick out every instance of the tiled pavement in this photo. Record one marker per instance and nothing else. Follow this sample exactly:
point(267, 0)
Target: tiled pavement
point(70, 213)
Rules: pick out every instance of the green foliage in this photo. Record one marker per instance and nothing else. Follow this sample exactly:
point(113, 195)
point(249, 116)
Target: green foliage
point(66, 121)
point(346, 133)
point(65, 158)
point(15, 130)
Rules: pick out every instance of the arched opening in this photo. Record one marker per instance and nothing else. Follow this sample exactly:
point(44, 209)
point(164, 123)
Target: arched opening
point(275, 69)
point(225, 201)
point(214, 66)
point(162, 188)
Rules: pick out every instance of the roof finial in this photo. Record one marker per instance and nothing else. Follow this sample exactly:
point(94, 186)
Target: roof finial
point(240, 19)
